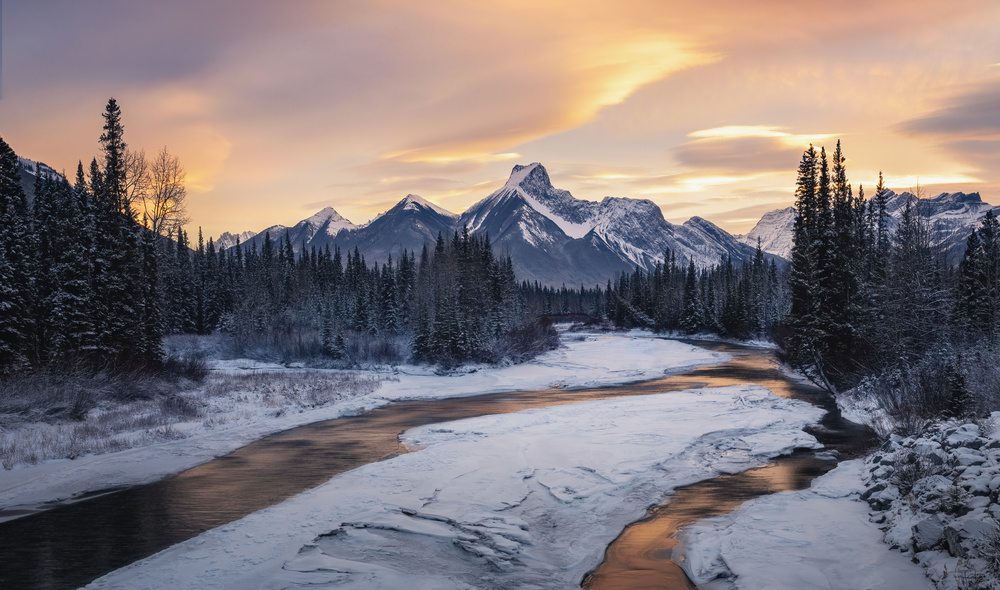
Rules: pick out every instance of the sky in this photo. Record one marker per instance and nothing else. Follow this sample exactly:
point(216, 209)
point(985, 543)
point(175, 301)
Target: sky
point(278, 109)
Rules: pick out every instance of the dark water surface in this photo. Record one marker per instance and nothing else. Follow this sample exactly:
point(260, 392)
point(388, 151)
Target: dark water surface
point(71, 545)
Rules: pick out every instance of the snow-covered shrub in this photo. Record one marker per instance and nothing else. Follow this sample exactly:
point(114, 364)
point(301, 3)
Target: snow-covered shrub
point(363, 349)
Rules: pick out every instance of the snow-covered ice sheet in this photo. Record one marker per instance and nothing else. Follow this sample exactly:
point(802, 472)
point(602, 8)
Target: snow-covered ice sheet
point(584, 360)
point(818, 538)
point(525, 500)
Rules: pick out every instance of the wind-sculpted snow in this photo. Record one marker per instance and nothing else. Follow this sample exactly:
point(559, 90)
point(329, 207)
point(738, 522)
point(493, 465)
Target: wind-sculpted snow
point(505, 501)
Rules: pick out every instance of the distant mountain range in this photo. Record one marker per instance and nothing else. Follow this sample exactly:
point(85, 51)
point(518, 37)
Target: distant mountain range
point(555, 238)
point(950, 218)
point(551, 236)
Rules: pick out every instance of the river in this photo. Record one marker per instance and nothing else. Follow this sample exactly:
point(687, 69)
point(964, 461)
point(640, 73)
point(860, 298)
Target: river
point(70, 545)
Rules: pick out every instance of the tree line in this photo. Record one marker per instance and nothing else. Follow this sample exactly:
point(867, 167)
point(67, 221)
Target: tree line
point(456, 302)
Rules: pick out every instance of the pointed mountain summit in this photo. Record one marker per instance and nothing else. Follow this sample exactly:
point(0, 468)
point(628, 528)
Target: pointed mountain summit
point(417, 203)
point(411, 223)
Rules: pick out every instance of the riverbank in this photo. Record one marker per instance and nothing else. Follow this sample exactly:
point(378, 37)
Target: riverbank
point(264, 398)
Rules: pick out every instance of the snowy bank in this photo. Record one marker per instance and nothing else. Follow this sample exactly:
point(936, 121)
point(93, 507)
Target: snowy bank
point(525, 500)
point(818, 538)
point(242, 416)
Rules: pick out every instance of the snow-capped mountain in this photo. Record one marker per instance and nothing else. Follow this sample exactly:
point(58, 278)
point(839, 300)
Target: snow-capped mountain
point(410, 224)
point(29, 171)
point(552, 237)
point(950, 217)
point(321, 227)
point(556, 238)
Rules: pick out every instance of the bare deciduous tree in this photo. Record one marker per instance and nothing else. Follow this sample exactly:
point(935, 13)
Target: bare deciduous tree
point(137, 179)
point(165, 202)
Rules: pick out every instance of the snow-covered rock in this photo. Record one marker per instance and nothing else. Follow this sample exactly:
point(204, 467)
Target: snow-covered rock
point(935, 499)
point(773, 232)
point(229, 240)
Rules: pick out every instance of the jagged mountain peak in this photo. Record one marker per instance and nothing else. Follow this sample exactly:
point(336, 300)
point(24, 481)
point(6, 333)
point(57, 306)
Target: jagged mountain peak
point(530, 176)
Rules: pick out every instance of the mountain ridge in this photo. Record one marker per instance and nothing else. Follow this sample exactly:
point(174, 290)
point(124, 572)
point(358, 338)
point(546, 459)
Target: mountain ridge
point(552, 237)
point(950, 217)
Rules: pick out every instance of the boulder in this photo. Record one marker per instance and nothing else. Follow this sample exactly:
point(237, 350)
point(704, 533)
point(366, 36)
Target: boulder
point(964, 533)
point(928, 533)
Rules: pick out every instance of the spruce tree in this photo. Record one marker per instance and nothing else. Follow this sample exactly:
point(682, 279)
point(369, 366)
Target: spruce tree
point(16, 265)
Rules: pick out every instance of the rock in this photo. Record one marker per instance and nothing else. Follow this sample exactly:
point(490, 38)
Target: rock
point(936, 458)
point(954, 542)
point(977, 502)
point(979, 486)
point(966, 435)
point(925, 446)
point(965, 533)
point(872, 490)
point(884, 499)
point(927, 533)
point(966, 457)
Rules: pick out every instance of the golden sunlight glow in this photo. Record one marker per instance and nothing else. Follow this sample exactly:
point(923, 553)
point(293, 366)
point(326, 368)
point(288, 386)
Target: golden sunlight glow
point(636, 98)
point(744, 131)
point(716, 180)
point(734, 131)
point(619, 68)
point(913, 181)
point(592, 72)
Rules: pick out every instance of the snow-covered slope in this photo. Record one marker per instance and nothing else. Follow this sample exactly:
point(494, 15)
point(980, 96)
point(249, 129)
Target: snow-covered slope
point(774, 230)
point(29, 171)
point(950, 217)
